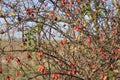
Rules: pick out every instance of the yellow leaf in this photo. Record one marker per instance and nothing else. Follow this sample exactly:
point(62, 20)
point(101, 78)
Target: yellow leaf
point(6, 23)
point(76, 38)
point(24, 47)
point(12, 13)
point(71, 47)
point(33, 53)
point(81, 35)
point(105, 78)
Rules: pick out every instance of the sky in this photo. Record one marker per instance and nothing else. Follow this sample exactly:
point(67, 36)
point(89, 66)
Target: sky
point(18, 34)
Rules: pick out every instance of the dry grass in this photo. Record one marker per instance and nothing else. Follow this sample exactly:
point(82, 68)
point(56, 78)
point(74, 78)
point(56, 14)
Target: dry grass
point(6, 45)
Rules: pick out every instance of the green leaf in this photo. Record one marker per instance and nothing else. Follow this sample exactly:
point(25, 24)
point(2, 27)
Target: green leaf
point(88, 7)
point(39, 24)
point(67, 31)
point(111, 73)
point(118, 60)
point(40, 19)
point(89, 15)
point(0, 11)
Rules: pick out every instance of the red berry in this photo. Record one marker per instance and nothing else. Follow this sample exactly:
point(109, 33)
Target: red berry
point(40, 54)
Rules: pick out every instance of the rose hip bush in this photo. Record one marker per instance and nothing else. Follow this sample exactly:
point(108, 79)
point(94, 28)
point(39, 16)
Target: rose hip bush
point(60, 39)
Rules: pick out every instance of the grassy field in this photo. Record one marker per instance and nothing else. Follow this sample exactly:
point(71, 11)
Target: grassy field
point(30, 65)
